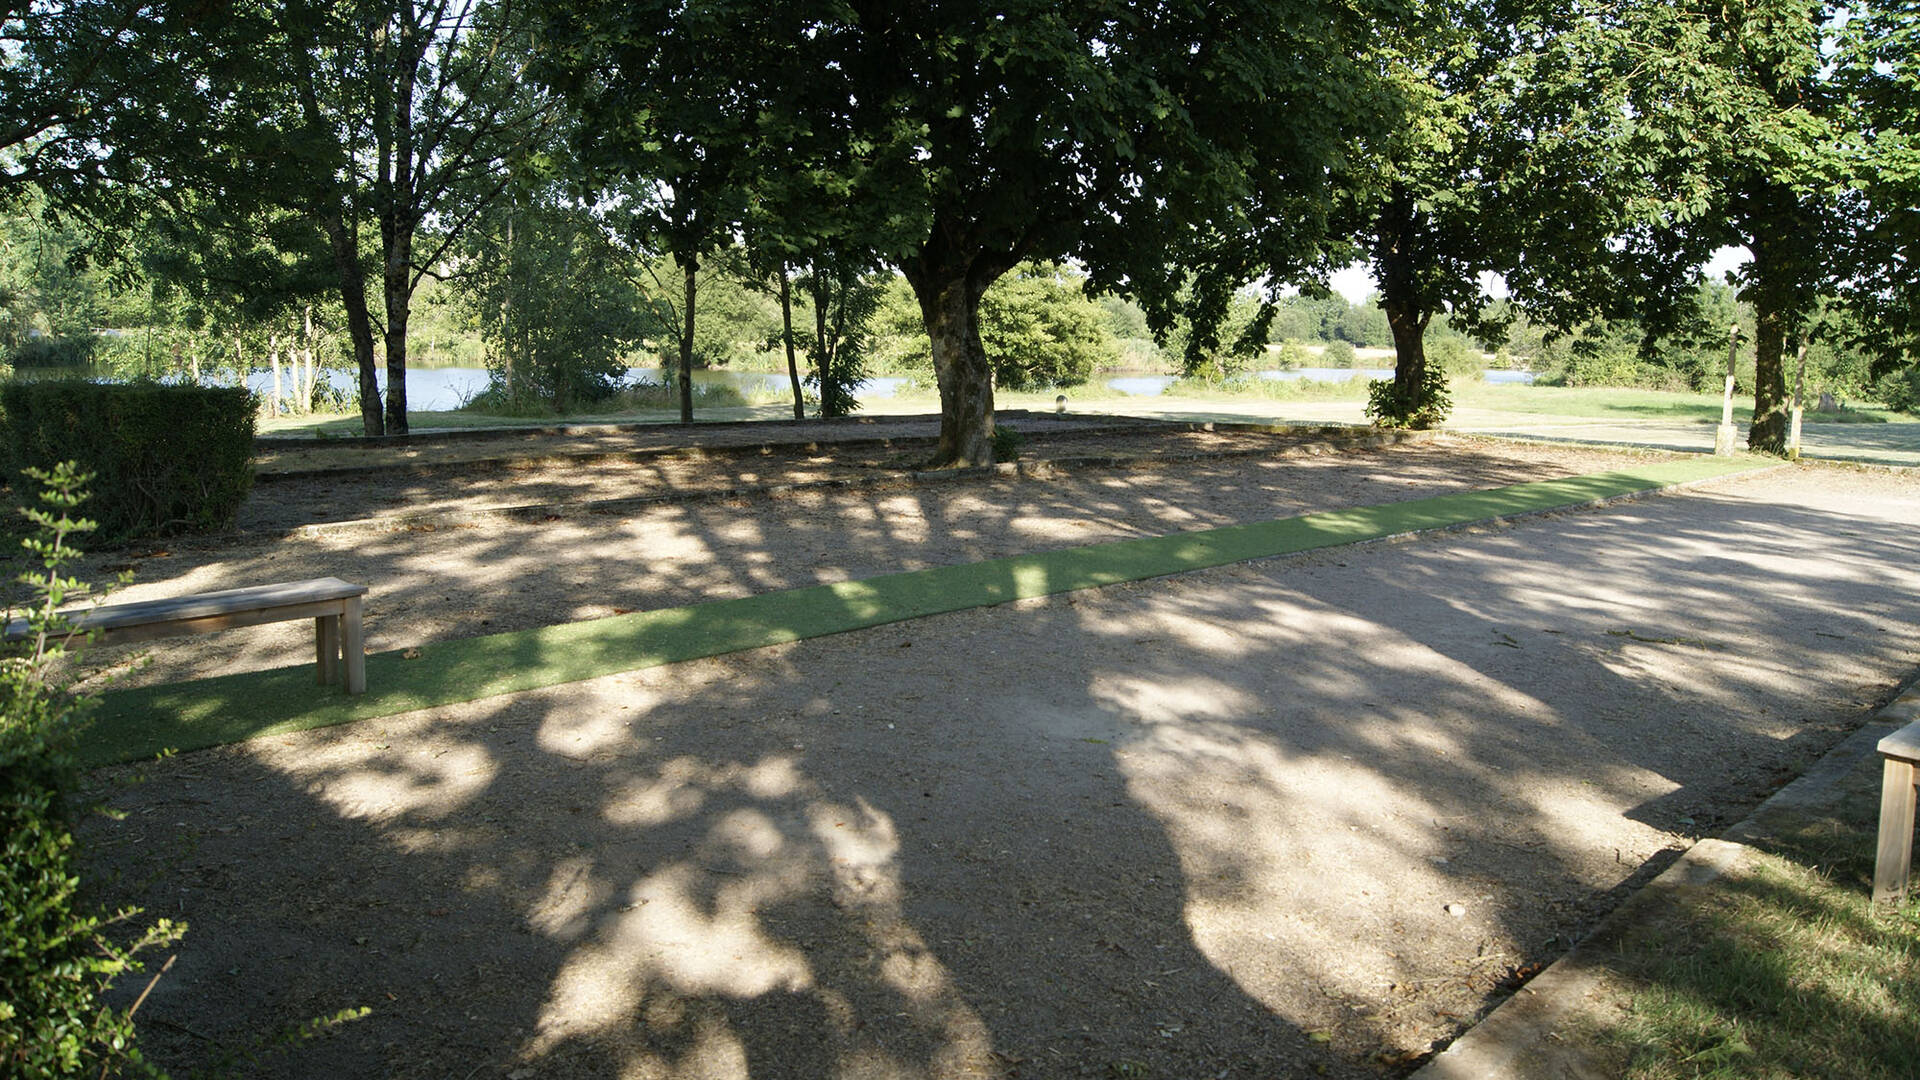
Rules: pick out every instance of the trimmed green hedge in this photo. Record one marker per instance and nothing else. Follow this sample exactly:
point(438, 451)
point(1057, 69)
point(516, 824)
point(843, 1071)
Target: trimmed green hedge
point(164, 459)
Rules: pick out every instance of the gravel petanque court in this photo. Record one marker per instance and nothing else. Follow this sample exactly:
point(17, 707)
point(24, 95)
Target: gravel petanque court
point(1304, 816)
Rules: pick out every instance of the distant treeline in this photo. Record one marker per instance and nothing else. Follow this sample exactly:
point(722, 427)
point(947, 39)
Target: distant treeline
point(1038, 324)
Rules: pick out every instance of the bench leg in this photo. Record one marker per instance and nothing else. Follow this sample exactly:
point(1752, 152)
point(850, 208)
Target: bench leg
point(326, 647)
point(353, 645)
point(1893, 863)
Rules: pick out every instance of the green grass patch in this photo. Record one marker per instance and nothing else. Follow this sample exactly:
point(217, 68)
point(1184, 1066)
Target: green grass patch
point(139, 723)
point(1783, 968)
point(1601, 402)
point(1254, 387)
point(1616, 403)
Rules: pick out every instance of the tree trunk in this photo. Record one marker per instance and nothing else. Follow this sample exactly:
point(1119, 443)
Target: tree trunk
point(353, 294)
point(786, 337)
point(309, 382)
point(398, 55)
point(399, 296)
point(273, 357)
point(1399, 228)
point(1768, 435)
point(307, 376)
point(823, 346)
point(690, 266)
point(508, 334)
point(1409, 349)
point(1409, 327)
point(1783, 234)
point(950, 306)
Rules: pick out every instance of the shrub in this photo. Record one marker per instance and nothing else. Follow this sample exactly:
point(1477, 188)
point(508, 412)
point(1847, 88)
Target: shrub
point(1291, 355)
point(1899, 390)
point(1426, 407)
point(74, 353)
point(1338, 354)
point(166, 459)
point(1455, 356)
point(1007, 443)
point(1138, 354)
point(54, 960)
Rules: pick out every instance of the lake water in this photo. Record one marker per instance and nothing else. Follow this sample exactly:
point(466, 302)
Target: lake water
point(444, 389)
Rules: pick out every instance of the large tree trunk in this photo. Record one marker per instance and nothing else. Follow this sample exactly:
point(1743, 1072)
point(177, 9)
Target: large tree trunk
point(1407, 316)
point(786, 337)
point(1768, 435)
point(394, 134)
point(689, 266)
point(353, 294)
point(1782, 232)
point(950, 306)
point(1409, 348)
point(399, 296)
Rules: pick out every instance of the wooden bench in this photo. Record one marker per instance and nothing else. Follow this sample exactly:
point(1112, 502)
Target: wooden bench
point(332, 604)
point(1893, 862)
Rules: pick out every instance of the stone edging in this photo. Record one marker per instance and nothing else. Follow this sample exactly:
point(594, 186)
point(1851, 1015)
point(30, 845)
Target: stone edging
point(1038, 469)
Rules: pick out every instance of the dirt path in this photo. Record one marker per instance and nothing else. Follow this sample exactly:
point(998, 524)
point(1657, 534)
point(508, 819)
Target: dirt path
point(1208, 825)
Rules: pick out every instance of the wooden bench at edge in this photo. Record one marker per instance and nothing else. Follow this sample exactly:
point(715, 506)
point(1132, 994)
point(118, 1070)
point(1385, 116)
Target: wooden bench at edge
point(332, 604)
point(1893, 860)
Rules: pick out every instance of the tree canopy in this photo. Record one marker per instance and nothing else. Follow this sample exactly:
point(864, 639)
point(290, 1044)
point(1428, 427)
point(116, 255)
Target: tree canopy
point(1734, 124)
point(982, 135)
point(1196, 160)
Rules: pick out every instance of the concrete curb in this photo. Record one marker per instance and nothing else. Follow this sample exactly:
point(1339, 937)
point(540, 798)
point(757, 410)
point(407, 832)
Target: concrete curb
point(690, 451)
point(517, 431)
point(1521, 1040)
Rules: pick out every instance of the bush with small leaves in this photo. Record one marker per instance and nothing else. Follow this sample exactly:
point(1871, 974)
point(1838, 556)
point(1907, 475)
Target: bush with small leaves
point(1425, 408)
point(55, 959)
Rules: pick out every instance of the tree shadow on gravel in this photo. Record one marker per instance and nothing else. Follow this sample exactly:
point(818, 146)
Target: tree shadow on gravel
point(434, 583)
point(1216, 824)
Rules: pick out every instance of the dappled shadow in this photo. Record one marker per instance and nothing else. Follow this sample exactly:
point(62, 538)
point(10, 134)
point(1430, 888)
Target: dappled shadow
point(1738, 978)
point(1878, 444)
point(436, 583)
point(1212, 823)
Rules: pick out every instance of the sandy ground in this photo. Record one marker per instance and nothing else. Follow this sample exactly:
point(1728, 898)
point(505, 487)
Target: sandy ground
point(459, 576)
point(1305, 816)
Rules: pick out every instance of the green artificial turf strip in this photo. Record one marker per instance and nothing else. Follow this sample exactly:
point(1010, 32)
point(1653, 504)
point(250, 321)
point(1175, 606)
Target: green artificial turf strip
point(138, 723)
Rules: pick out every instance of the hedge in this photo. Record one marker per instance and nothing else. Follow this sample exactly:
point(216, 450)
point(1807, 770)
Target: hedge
point(164, 459)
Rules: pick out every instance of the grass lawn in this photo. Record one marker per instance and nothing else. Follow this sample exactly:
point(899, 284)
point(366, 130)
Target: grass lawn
point(1614, 403)
point(1783, 968)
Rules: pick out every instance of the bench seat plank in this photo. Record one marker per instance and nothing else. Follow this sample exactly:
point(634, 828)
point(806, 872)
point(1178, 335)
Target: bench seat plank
point(206, 611)
point(332, 604)
point(1903, 744)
